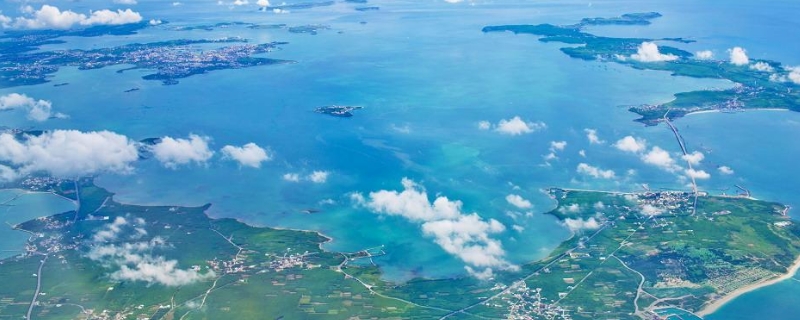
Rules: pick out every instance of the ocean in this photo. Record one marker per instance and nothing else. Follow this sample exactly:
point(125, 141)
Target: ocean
point(426, 76)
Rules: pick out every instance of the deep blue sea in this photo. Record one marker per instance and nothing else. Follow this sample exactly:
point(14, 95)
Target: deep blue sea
point(426, 76)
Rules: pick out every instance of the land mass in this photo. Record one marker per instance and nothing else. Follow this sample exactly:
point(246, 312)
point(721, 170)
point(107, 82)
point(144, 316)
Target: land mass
point(632, 256)
point(765, 86)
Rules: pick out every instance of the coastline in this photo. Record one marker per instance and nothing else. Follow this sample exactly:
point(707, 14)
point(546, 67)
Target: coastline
point(734, 111)
point(714, 306)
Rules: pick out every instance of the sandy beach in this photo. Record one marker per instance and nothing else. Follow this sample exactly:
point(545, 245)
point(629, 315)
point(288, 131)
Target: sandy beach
point(714, 306)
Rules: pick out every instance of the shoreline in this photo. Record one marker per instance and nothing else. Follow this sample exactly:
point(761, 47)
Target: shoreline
point(734, 111)
point(714, 306)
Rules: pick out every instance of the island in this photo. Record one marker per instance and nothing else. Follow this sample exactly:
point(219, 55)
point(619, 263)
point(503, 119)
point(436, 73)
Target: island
point(171, 60)
point(760, 84)
point(632, 256)
point(337, 111)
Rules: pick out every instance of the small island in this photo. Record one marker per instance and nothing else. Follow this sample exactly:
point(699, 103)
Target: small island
point(337, 111)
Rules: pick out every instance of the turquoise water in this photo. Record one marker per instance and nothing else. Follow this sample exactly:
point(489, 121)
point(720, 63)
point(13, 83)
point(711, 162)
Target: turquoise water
point(17, 206)
point(426, 76)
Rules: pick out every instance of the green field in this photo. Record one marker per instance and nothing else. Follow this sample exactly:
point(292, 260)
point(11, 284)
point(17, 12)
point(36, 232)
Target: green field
point(109, 260)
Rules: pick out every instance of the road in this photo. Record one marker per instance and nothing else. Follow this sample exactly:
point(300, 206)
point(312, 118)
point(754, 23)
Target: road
point(38, 288)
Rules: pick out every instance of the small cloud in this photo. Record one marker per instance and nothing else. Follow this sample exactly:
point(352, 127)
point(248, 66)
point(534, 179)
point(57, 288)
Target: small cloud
point(484, 125)
point(704, 55)
point(38, 110)
point(595, 172)
point(263, 3)
point(725, 170)
point(486, 273)
point(738, 56)
point(50, 17)
point(516, 126)
point(464, 235)
point(591, 134)
point(404, 129)
point(578, 225)
point(599, 205)
point(128, 2)
point(518, 201)
point(175, 152)
point(582, 153)
point(762, 66)
point(660, 158)
point(120, 245)
point(572, 208)
point(697, 174)
point(648, 52)
point(318, 176)
point(557, 145)
point(291, 177)
point(793, 76)
point(550, 156)
point(650, 210)
point(250, 155)
point(67, 153)
point(631, 144)
point(694, 158)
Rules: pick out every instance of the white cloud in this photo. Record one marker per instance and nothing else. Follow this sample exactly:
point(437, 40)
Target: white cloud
point(631, 144)
point(739, 56)
point(318, 176)
point(648, 52)
point(518, 201)
point(697, 174)
point(158, 270)
point(250, 154)
point(591, 134)
point(572, 208)
point(794, 75)
point(704, 55)
point(582, 153)
point(660, 158)
point(50, 17)
point(550, 156)
point(128, 2)
point(38, 110)
point(119, 245)
point(240, 2)
point(514, 126)
point(577, 225)
point(486, 274)
point(650, 210)
point(175, 152)
point(725, 170)
point(557, 145)
point(69, 153)
point(694, 158)
point(762, 66)
point(263, 3)
point(599, 205)
point(467, 236)
point(596, 172)
point(291, 177)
